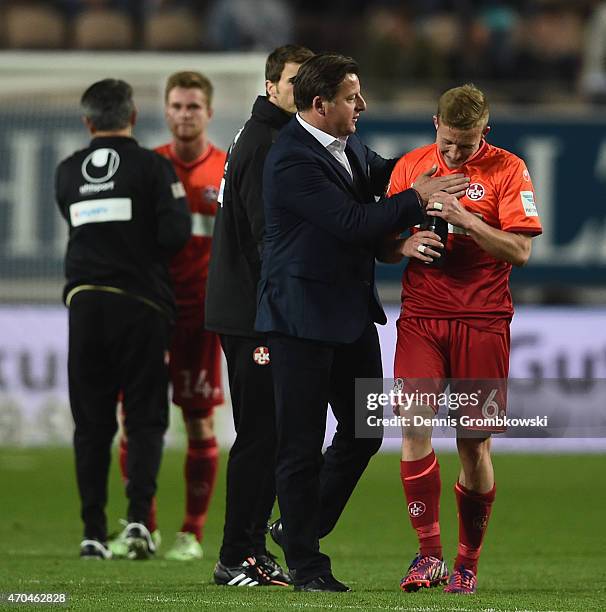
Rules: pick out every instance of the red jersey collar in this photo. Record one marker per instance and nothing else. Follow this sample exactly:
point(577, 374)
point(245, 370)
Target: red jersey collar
point(177, 160)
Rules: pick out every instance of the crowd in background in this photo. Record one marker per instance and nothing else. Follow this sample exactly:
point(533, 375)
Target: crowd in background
point(538, 46)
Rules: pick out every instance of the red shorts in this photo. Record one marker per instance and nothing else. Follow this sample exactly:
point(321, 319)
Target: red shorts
point(195, 370)
point(472, 359)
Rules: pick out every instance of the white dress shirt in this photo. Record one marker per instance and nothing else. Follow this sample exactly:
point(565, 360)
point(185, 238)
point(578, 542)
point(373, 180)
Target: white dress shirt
point(335, 146)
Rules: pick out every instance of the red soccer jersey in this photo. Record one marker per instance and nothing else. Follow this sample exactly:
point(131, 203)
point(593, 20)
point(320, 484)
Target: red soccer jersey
point(471, 284)
point(189, 268)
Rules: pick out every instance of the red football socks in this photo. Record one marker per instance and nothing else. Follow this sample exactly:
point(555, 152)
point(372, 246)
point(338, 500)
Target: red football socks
point(422, 487)
point(474, 512)
point(200, 475)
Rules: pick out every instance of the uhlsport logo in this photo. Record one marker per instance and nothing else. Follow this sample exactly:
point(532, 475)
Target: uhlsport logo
point(475, 191)
point(261, 355)
point(416, 509)
point(100, 165)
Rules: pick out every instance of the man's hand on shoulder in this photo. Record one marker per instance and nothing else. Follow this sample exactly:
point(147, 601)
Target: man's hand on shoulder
point(426, 184)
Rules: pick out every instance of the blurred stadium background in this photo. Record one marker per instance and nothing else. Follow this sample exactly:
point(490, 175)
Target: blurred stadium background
point(543, 65)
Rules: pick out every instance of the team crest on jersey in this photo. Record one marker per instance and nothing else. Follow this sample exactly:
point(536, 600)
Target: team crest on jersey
point(209, 194)
point(475, 191)
point(261, 355)
point(526, 175)
point(416, 509)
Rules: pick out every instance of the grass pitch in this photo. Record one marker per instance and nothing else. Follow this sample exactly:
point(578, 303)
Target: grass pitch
point(545, 548)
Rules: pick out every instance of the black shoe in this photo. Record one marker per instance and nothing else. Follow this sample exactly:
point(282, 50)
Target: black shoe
point(277, 533)
point(93, 549)
point(326, 583)
point(139, 541)
point(247, 574)
point(268, 563)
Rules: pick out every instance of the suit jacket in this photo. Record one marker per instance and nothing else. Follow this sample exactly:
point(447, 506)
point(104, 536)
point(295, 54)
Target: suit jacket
point(322, 231)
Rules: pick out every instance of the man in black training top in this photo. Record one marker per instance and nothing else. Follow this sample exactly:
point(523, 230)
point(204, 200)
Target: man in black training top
point(231, 306)
point(127, 215)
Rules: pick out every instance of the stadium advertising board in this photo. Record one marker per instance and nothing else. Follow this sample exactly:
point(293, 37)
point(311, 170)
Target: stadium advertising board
point(561, 351)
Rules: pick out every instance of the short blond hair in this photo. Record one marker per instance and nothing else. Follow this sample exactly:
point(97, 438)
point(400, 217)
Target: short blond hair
point(189, 79)
point(463, 108)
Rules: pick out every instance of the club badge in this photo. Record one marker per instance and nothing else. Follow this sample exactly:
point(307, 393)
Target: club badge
point(475, 191)
point(261, 355)
point(416, 509)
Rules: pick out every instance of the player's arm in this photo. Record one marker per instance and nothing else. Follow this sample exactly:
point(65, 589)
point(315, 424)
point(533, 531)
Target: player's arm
point(512, 247)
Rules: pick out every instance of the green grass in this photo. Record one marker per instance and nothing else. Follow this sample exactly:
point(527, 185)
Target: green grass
point(545, 548)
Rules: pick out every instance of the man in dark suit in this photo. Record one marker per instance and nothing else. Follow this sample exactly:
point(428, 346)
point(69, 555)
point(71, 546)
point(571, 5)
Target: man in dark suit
point(318, 301)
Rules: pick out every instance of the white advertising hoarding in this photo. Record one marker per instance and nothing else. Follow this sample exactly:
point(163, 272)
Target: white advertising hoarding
point(547, 343)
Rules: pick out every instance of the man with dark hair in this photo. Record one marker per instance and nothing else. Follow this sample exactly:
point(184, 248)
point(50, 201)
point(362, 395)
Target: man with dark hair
point(230, 310)
point(108, 104)
point(127, 215)
point(318, 302)
point(195, 354)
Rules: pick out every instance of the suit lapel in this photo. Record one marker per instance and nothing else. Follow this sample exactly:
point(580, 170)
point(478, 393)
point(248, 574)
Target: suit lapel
point(358, 167)
point(354, 150)
point(303, 135)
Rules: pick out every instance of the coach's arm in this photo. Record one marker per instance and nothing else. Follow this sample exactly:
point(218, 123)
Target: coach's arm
point(300, 185)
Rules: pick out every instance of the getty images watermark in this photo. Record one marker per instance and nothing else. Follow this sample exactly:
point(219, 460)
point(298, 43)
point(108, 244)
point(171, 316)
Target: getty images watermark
point(545, 408)
point(484, 412)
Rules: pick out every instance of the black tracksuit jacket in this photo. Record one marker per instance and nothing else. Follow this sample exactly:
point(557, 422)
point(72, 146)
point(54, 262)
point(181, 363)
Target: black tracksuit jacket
point(127, 216)
point(235, 263)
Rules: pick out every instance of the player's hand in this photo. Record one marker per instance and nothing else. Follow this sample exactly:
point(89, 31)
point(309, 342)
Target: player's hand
point(423, 245)
point(450, 209)
point(426, 184)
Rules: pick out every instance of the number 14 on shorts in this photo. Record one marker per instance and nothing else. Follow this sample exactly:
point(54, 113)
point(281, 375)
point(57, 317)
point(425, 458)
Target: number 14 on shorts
point(199, 386)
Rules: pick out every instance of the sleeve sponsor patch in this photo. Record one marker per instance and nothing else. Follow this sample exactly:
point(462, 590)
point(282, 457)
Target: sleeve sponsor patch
point(100, 211)
point(530, 207)
point(178, 190)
